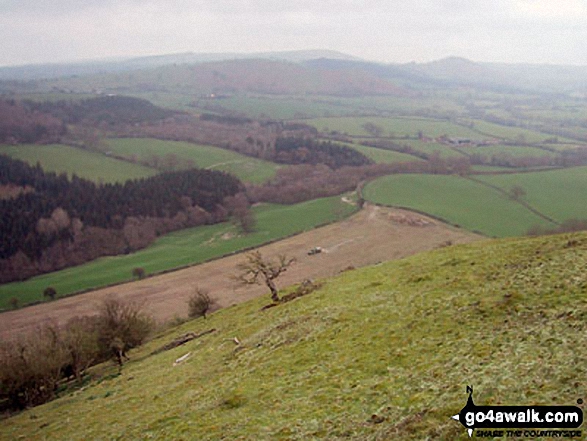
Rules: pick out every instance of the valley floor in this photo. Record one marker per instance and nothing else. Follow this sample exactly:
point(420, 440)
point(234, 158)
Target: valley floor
point(373, 235)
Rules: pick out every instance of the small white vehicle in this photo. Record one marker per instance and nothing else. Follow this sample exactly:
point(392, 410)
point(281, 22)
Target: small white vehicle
point(315, 250)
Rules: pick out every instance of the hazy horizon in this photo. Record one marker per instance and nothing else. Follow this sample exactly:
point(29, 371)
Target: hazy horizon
point(512, 31)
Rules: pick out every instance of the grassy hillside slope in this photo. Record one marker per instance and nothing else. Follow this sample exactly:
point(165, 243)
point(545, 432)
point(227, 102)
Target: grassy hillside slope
point(65, 159)
point(244, 167)
point(399, 340)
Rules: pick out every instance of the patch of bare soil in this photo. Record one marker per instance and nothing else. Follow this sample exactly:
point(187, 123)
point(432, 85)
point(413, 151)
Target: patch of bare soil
point(373, 235)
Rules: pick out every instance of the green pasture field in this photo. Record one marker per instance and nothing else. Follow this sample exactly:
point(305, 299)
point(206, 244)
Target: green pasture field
point(560, 194)
point(457, 200)
point(65, 159)
point(511, 150)
point(570, 111)
point(214, 158)
point(510, 133)
point(381, 156)
point(181, 248)
point(491, 168)
point(566, 146)
point(280, 107)
point(378, 353)
point(398, 105)
point(445, 151)
point(395, 127)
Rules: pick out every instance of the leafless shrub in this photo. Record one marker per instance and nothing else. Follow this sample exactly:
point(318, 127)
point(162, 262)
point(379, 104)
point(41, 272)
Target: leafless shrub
point(80, 340)
point(199, 303)
point(138, 272)
point(30, 368)
point(121, 321)
point(50, 293)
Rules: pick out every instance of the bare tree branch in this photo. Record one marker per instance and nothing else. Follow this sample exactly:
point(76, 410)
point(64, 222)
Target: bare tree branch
point(257, 270)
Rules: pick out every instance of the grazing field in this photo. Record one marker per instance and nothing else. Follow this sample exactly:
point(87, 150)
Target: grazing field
point(445, 151)
point(182, 248)
point(65, 159)
point(510, 150)
point(381, 156)
point(457, 200)
point(280, 107)
point(559, 194)
point(379, 353)
point(511, 133)
point(244, 167)
point(395, 127)
point(565, 146)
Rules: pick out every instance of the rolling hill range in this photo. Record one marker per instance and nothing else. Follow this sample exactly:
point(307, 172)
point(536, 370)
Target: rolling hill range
point(229, 77)
point(56, 70)
point(380, 353)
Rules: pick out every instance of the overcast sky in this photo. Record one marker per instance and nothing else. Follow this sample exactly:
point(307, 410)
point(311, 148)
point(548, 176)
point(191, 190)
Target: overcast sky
point(531, 31)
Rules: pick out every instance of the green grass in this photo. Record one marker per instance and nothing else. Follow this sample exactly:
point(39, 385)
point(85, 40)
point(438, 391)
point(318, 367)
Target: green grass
point(457, 200)
point(65, 159)
point(181, 248)
point(400, 340)
point(281, 107)
point(510, 150)
point(559, 194)
point(396, 127)
point(511, 133)
point(244, 167)
point(445, 151)
point(490, 168)
point(381, 156)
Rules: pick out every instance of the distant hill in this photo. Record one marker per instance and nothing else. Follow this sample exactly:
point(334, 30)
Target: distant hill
point(538, 77)
point(293, 72)
point(235, 76)
point(461, 71)
point(57, 70)
point(456, 72)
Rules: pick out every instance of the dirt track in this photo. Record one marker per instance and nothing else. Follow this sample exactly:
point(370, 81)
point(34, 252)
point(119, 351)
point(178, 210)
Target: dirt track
point(373, 235)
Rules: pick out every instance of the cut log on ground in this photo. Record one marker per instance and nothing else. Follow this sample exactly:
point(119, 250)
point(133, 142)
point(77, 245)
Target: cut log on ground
point(181, 340)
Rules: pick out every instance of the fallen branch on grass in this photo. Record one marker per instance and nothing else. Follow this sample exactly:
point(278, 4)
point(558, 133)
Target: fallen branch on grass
point(181, 340)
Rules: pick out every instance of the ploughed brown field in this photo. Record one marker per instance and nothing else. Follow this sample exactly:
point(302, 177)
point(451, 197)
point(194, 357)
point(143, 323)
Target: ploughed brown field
point(373, 235)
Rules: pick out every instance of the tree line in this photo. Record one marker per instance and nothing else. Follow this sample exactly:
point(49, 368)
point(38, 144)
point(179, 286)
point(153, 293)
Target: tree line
point(63, 221)
point(23, 122)
point(20, 124)
point(102, 110)
point(302, 150)
point(35, 366)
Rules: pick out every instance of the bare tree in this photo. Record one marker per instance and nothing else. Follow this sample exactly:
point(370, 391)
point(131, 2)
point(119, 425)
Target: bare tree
point(138, 272)
point(517, 192)
point(239, 210)
point(50, 293)
point(258, 270)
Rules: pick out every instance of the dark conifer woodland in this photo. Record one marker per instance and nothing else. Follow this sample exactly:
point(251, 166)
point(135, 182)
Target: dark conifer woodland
point(60, 212)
